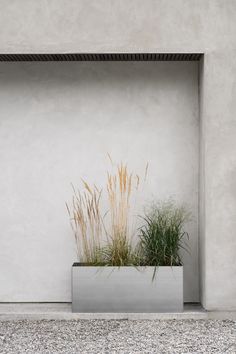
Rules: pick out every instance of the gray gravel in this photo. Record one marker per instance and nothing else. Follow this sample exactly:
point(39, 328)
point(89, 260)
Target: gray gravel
point(121, 336)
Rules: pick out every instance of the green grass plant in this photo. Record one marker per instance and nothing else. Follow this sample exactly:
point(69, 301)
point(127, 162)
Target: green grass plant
point(162, 235)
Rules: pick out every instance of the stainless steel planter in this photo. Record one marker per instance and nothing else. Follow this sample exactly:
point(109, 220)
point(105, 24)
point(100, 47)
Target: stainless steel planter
point(126, 289)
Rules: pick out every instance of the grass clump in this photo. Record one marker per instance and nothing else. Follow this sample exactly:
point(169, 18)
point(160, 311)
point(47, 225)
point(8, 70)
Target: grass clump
point(162, 236)
point(105, 240)
point(119, 251)
point(87, 223)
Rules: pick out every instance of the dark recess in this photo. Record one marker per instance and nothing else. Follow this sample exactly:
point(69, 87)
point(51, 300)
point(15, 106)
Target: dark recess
point(103, 57)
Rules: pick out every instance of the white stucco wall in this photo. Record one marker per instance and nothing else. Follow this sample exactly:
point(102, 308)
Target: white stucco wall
point(207, 26)
point(58, 122)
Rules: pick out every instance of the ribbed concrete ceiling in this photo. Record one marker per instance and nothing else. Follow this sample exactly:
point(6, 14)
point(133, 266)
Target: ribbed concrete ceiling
point(102, 57)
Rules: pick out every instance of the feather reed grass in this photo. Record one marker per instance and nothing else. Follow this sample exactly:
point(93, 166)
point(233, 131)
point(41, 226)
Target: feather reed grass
point(119, 251)
point(106, 240)
point(86, 222)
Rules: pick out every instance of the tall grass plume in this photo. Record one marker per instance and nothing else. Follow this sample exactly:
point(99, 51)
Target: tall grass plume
point(86, 222)
point(120, 187)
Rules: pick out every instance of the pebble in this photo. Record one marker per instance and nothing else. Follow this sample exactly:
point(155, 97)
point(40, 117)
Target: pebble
point(118, 336)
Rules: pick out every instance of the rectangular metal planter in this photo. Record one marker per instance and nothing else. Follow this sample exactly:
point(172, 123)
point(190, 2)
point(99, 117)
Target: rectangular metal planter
point(126, 289)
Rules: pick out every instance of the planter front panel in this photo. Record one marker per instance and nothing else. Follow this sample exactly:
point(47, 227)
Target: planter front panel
point(127, 289)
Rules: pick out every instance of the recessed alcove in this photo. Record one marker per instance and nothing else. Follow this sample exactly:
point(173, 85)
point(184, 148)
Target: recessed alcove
point(58, 122)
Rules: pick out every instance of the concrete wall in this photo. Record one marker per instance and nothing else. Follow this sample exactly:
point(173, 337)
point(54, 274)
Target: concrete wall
point(58, 122)
point(207, 26)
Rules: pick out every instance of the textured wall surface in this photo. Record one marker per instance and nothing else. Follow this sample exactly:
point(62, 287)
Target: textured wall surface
point(58, 122)
point(207, 26)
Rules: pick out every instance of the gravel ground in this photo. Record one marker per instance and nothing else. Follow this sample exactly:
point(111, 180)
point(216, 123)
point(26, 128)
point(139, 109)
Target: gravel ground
point(118, 336)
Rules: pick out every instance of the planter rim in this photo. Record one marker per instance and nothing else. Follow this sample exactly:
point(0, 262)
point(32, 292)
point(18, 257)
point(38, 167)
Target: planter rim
point(81, 264)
